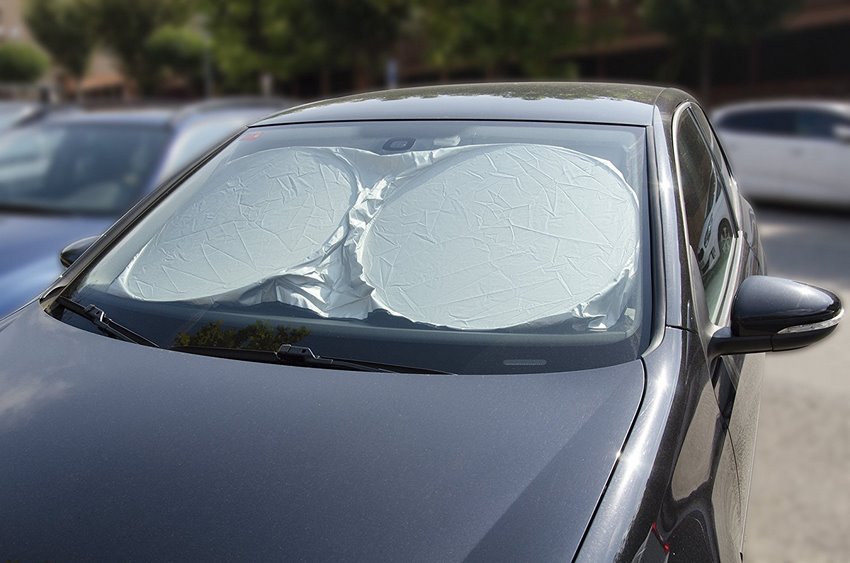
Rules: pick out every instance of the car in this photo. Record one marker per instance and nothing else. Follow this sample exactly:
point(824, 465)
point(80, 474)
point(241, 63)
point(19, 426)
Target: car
point(789, 151)
point(455, 323)
point(71, 175)
point(19, 113)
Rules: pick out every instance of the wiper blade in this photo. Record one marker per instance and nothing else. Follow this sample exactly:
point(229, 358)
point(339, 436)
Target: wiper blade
point(299, 356)
point(99, 319)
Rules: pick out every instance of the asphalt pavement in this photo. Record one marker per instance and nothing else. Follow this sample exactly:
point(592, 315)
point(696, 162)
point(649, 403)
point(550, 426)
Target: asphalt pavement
point(800, 498)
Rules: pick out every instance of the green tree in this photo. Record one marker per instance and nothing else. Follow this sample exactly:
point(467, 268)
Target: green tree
point(251, 38)
point(750, 21)
point(499, 35)
point(177, 51)
point(63, 28)
point(693, 26)
point(283, 38)
point(606, 24)
point(124, 28)
point(359, 36)
point(21, 63)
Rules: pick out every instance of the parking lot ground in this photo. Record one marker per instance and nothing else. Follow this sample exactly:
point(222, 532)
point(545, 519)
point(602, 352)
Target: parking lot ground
point(800, 499)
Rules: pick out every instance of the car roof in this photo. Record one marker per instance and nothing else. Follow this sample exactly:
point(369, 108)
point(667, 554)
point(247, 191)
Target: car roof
point(146, 117)
point(586, 102)
point(15, 105)
point(177, 116)
point(787, 103)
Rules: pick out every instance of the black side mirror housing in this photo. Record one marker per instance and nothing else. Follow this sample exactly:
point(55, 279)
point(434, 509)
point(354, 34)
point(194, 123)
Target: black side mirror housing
point(774, 314)
point(73, 251)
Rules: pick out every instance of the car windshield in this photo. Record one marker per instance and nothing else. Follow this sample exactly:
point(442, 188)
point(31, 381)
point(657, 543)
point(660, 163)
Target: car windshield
point(77, 168)
point(466, 247)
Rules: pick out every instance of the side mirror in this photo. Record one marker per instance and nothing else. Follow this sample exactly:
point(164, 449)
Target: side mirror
point(841, 133)
point(76, 249)
point(774, 314)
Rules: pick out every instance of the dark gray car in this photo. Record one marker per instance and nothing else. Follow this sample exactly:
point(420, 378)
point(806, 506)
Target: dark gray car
point(446, 324)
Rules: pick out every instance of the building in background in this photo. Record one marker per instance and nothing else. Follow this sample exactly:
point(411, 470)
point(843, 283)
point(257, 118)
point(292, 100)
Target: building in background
point(807, 55)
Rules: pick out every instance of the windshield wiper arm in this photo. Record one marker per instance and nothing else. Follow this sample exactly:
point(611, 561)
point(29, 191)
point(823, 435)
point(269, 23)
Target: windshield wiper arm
point(99, 319)
point(299, 356)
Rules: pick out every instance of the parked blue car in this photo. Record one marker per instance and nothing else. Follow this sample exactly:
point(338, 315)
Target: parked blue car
point(71, 176)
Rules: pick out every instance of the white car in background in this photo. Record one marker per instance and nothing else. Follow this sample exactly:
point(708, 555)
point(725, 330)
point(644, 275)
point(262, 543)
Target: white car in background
point(789, 150)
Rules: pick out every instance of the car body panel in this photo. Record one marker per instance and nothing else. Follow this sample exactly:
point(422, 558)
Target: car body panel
point(175, 456)
point(687, 466)
point(29, 252)
point(580, 103)
point(681, 477)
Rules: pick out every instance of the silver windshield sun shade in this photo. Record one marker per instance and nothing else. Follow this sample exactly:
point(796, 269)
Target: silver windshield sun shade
point(476, 237)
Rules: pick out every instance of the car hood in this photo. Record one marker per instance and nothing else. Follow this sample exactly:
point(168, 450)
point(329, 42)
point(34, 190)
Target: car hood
point(111, 450)
point(29, 252)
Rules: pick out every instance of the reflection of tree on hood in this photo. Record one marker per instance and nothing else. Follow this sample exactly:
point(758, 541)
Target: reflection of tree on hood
point(258, 336)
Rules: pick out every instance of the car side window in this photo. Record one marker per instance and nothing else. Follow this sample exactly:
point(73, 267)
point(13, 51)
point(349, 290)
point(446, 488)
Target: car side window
point(719, 156)
point(709, 219)
point(816, 124)
point(761, 122)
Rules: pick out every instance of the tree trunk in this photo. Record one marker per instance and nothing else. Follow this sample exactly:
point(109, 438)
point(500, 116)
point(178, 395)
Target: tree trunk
point(753, 60)
point(362, 73)
point(325, 82)
point(705, 72)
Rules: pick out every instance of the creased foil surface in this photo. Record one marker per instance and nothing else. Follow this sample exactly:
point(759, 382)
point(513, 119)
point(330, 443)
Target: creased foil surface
point(477, 237)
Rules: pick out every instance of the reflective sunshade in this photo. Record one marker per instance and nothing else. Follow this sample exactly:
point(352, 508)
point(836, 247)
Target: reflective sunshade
point(467, 227)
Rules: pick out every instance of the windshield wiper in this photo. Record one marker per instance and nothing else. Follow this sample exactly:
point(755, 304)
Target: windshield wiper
point(99, 319)
point(300, 356)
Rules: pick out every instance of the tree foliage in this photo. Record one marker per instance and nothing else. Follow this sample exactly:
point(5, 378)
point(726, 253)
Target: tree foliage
point(251, 38)
point(287, 37)
point(63, 28)
point(496, 35)
point(694, 25)
point(21, 63)
point(124, 28)
point(177, 51)
point(356, 35)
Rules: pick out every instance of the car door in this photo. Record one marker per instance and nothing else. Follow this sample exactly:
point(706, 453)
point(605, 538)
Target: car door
point(761, 145)
point(738, 379)
point(821, 160)
point(709, 198)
